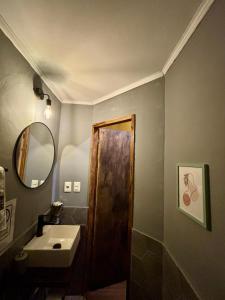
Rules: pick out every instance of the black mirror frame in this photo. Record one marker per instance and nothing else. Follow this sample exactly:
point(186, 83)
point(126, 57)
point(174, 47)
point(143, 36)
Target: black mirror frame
point(14, 157)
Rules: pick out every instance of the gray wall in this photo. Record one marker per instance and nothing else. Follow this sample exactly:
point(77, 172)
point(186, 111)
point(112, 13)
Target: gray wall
point(73, 154)
point(147, 102)
point(18, 108)
point(194, 132)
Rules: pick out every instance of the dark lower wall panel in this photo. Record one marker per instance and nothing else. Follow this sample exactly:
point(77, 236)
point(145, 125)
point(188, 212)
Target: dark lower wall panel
point(146, 268)
point(154, 275)
point(6, 263)
point(74, 215)
point(174, 284)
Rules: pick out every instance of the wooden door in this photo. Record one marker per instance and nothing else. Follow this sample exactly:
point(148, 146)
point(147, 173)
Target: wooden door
point(112, 210)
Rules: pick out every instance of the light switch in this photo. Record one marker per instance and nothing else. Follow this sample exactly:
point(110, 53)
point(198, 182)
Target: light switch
point(34, 183)
point(76, 186)
point(67, 187)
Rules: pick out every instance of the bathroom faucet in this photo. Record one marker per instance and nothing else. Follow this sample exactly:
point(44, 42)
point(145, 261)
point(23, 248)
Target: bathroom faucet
point(41, 222)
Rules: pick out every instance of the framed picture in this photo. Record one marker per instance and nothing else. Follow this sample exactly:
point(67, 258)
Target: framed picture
point(193, 192)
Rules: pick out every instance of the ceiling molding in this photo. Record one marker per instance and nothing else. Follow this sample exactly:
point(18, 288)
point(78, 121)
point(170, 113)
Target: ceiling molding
point(20, 46)
point(129, 87)
point(197, 18)
point(77, 102)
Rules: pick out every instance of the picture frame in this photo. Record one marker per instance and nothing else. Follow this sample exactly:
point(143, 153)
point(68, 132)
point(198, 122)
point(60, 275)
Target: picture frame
point(193, 196)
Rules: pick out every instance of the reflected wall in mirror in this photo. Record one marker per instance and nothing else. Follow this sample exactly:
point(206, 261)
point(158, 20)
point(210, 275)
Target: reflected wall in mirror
point(34, 155)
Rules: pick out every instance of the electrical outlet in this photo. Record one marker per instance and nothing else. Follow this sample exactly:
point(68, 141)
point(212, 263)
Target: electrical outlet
point(76, 186)
point(67, 187)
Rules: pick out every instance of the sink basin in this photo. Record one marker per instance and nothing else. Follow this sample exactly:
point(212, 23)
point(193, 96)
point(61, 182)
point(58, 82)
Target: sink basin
point(41, 252)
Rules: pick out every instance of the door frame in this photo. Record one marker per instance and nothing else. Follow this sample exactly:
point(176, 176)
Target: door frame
point(93, 182)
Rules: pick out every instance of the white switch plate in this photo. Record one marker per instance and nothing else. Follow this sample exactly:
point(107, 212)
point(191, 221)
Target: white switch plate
point(41, 182)
point(67, 187)
point(34, 183)
point(76, 186)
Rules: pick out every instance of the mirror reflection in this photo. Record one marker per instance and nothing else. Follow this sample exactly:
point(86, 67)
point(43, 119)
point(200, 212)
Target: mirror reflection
point(34, 155)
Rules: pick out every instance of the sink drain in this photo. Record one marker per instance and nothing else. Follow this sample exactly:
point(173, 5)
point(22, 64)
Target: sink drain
point(57, 246)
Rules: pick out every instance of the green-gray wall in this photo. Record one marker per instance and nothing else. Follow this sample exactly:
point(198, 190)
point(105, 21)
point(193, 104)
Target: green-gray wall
point(194, 132)
point(18, 108)
point(73, 153)
point(147, 102)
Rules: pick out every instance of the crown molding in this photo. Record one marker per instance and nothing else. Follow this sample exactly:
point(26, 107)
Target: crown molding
point(26, 53)
point(77, 102)
point(129, 87)
point(20, 45)
point(119, 91)
point(196, 19)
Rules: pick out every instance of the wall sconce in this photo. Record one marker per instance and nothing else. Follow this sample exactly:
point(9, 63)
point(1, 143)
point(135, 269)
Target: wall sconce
point(48, 110)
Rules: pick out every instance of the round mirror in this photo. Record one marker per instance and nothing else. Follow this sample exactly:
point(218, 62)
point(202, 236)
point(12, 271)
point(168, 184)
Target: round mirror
point(34, 155)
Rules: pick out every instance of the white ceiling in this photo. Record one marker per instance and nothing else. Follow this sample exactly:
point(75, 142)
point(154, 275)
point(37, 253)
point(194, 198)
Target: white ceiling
point(88, 49)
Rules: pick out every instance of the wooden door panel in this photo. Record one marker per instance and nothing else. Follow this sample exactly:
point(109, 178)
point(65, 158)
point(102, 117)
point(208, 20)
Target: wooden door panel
point(110, 248)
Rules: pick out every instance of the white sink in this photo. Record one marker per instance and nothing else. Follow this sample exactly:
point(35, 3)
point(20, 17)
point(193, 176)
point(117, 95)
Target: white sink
point(41, 252)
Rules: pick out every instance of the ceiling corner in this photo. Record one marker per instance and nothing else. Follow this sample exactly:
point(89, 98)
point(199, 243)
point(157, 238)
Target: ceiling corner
point(193, 24)
point(20, 46)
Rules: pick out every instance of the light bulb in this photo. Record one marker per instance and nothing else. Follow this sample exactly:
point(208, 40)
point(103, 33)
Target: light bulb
point(48, 112)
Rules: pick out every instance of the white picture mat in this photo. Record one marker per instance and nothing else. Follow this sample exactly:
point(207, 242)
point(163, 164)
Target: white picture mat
point(195, 208)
